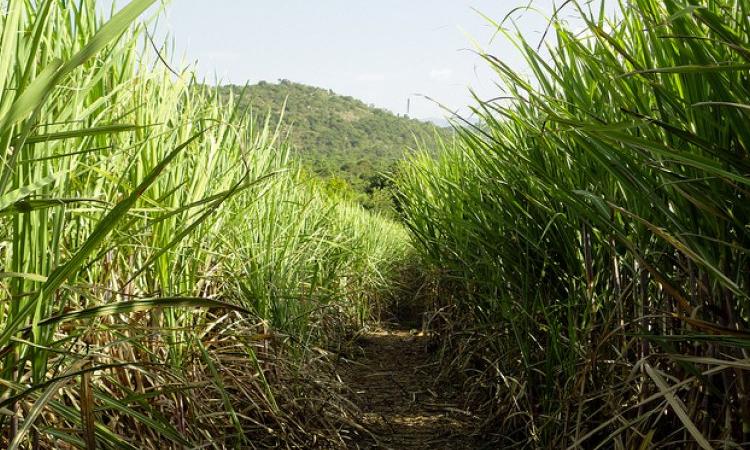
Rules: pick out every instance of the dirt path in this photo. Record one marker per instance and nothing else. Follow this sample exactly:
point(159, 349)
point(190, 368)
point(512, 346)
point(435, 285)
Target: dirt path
point(392, 378)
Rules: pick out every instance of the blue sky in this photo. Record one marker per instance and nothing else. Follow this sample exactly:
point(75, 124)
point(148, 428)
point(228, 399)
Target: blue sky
point(381, 51)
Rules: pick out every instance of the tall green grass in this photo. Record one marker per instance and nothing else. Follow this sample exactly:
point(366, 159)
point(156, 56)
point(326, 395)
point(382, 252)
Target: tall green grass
point(162, 259)
point(591, 233)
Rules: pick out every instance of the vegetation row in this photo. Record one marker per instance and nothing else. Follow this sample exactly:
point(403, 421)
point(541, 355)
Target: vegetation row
point(167, 270)
point(590, 235)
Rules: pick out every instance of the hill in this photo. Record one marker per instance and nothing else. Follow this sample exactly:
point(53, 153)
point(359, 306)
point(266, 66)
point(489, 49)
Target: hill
point(337, 137)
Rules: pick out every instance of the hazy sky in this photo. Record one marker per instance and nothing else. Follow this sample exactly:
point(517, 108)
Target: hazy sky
point(381, 51)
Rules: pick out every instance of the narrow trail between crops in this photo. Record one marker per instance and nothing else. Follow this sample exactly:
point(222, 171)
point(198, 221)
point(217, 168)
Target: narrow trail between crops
point(392, 377)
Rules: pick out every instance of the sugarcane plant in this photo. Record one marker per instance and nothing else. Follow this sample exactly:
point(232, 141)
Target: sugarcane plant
point(164, 265)
point(590, 231)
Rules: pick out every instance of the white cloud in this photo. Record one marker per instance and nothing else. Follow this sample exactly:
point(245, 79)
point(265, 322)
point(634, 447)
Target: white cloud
point(441, 75)
point(371, 77)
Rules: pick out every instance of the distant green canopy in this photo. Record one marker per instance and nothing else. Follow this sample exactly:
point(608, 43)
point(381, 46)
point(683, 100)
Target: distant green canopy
point(336, 135)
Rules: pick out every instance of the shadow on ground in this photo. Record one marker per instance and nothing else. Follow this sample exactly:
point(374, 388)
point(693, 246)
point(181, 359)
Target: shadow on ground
point(392, 377)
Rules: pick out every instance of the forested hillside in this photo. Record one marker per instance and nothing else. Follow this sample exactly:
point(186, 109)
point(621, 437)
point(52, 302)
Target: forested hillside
point(338, 137)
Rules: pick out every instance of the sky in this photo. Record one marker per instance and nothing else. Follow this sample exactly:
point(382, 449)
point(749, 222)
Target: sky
point(389, 53)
